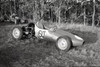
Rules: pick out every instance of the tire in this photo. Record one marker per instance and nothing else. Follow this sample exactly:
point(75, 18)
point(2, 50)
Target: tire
point(17, 33)
point(63, 43)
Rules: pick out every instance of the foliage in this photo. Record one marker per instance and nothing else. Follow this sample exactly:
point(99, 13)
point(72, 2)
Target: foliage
point(50, 10)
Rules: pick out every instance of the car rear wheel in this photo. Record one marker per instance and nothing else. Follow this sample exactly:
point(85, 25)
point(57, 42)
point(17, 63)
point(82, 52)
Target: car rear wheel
point(63, 43)
point(17, 33)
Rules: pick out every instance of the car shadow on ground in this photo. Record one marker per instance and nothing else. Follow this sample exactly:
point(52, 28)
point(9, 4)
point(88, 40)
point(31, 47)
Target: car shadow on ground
point(88, 37)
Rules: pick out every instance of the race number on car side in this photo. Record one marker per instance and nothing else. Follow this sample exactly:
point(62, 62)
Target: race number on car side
point(41, 33)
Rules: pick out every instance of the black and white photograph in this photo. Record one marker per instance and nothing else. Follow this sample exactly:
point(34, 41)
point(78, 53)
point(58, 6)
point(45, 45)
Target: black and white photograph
point(49, 33)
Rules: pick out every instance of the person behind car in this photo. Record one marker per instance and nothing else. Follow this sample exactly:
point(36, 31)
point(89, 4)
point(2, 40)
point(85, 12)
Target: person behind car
point(14, 18)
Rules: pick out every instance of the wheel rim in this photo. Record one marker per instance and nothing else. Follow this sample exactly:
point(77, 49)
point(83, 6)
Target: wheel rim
point(16, 33)
point(62, 44)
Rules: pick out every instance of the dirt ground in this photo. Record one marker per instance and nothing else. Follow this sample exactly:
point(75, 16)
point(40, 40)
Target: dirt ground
point(34, 53)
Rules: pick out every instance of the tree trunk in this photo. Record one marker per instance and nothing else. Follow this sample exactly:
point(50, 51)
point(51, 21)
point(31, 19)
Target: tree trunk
point(15, 6)
point(59, 13)
point(84, 16)
point(93, 16)
point(10, 7)
point(0, 8)
point(59, 17)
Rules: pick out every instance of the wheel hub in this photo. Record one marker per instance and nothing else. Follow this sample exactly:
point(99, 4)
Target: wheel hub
point(62, 44)
point(16, 33)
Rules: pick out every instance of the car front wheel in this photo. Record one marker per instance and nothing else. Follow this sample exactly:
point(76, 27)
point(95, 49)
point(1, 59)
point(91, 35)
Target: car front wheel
point(63, 43)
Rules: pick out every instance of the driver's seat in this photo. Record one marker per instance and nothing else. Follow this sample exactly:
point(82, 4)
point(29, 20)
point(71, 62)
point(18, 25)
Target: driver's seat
point(43, 26)
point(40, 25)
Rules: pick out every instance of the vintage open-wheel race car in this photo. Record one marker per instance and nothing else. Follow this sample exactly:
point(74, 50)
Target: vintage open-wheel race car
point(63, 39)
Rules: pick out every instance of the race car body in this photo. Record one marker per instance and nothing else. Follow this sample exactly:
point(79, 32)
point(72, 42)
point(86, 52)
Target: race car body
point(63, 39)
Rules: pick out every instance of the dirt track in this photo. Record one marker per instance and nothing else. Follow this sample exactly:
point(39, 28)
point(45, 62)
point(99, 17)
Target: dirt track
point(33, 53)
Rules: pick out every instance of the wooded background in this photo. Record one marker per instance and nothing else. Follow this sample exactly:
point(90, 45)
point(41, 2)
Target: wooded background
point(61, 11)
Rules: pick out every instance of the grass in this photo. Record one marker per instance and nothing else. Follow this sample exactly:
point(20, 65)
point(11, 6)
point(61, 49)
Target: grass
point(34, 53)
point(80, 27)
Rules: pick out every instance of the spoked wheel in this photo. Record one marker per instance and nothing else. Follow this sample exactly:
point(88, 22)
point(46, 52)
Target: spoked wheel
point(17, 33)
point(63, 43)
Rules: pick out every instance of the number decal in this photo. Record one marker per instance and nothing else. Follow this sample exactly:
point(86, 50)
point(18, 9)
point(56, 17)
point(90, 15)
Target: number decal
point(41, 33)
